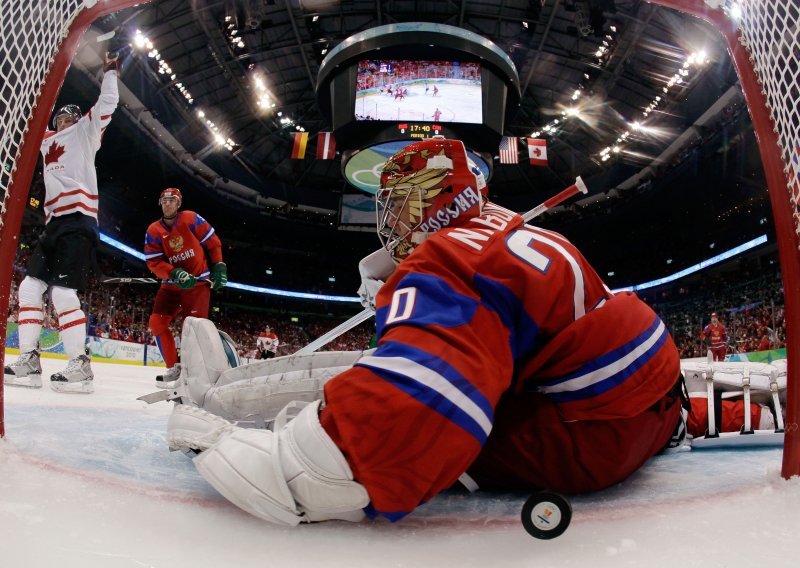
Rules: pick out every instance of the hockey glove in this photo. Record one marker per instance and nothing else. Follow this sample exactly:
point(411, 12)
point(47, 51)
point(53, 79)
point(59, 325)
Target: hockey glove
point(707, 341)
point(182, 279)
point(219, 276)
point(111, 61)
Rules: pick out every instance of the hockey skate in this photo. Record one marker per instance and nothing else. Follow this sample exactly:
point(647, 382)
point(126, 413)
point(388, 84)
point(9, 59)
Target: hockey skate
point(170, 378)
point(76, 378)
point(26, 371)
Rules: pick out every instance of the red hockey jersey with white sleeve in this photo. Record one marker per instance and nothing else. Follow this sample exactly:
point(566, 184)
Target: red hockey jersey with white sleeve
point(189, 243)
point(474, 314)
point(70, 178)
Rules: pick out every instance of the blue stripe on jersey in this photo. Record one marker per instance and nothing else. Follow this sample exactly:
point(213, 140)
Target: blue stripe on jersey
point(604, 373)
point(435, 383)
point(436, 304)
point(502, 300)
point(152, 255)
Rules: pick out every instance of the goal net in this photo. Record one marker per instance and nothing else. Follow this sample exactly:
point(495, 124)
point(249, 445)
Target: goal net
point(763, 38)
point(40, 37)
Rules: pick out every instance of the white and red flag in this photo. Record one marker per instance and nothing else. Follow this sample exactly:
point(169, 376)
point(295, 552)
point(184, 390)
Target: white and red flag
point(537, 151)
point(326, 146)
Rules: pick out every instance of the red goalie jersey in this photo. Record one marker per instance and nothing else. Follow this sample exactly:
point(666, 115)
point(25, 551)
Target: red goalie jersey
point(479, 319)
point(183, 245)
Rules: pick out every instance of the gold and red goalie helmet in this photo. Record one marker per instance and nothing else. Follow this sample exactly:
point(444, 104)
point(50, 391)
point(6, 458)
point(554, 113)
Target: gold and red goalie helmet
point(425, 187)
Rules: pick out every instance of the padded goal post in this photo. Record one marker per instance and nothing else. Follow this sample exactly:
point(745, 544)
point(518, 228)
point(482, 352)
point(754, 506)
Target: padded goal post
point(763, 39)
point(38, 39)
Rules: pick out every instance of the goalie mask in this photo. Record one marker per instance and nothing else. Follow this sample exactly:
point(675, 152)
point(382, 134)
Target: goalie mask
point(425, 187)
point(67, 110)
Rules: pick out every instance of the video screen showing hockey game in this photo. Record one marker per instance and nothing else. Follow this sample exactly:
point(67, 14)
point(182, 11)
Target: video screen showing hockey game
point(420, 91)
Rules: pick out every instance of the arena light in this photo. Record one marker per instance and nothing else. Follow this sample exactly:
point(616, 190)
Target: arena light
point(697, 267)
point(355, 299)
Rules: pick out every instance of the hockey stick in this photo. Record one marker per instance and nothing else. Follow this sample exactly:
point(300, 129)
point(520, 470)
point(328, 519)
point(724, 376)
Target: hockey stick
point(558, 199)
point(574, 189)
point(128, 280)
point(131, 280)
point(340, 329)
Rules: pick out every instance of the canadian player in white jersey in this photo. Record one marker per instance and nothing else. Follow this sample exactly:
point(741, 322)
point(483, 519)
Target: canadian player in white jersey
point(65, 255)
point(267, 343)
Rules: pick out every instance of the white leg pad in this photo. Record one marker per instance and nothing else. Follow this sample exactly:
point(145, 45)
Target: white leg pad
point(295, 475)
point(203, 357)
point(264, 389)
point(194, 428)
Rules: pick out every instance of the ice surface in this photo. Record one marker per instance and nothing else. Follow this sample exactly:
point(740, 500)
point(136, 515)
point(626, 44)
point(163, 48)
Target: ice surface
point(87, 481)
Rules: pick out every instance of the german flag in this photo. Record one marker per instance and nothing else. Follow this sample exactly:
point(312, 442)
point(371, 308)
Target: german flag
point(299, 146)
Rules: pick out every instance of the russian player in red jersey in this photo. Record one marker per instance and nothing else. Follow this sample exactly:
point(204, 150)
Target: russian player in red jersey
point(177, 248)
point(65, 255)
point(503, 360)
point(715, 336)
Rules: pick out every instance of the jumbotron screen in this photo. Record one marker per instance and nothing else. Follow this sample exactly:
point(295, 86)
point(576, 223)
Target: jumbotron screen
point(419, 91)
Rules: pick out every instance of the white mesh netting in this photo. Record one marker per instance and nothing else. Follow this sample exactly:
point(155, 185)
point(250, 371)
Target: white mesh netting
point(31, 32)
point(770, 30)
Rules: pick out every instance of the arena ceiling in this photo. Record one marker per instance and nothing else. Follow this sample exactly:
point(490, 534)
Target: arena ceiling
point(616, 61)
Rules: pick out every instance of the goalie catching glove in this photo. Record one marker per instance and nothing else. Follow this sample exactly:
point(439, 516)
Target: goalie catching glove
point(219, 276)
point(287, 477)
point(182, 279)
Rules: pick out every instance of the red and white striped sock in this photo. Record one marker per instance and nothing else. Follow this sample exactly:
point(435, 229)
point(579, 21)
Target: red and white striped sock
point(72, 325)
point(29, 320)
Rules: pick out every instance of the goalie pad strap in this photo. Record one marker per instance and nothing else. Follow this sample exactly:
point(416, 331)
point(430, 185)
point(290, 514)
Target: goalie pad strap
point(717, 411)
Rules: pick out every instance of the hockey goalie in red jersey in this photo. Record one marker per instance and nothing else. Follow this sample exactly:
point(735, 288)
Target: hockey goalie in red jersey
point(503, 360)
point(177, 248)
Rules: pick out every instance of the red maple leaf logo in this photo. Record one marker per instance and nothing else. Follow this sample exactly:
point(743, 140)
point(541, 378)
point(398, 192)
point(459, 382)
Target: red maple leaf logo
point(54, 153)
point(537, 152)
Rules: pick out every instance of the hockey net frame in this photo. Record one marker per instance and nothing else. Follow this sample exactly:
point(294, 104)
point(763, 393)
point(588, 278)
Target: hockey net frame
point(40, 39)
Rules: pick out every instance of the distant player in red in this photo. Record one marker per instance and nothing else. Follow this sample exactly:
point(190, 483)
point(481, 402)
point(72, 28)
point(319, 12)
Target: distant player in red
point(437, 115)
point(267, 343)
point(503, 360)
point(177, 248)
point(716, 338)
point(435, 90)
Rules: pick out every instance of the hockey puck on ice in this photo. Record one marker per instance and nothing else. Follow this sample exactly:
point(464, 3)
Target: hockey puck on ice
point(546, 515)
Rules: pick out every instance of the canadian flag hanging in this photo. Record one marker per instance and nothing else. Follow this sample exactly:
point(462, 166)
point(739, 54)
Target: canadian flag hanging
point(299, 146)
point(537, 151)
point(326, 146)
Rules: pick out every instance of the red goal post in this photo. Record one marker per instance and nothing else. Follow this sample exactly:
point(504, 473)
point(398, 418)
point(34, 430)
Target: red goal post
point(763, 40)
point(38, 39)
